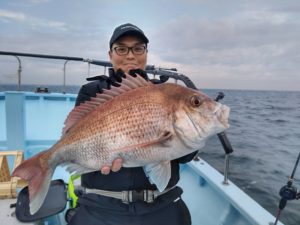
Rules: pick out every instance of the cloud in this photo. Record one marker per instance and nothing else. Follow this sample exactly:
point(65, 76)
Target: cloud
point(32, 22)
point(262, 17)
point(38, 1)
point(43, 23)
point(232, 45)
point(11, 15)
point(242, 49)
point(50, 71)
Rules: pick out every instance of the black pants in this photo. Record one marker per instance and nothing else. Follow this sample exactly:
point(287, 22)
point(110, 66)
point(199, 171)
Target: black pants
point(167, 209)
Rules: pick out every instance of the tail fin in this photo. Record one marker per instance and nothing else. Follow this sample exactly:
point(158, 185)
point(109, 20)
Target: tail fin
point(38, 174)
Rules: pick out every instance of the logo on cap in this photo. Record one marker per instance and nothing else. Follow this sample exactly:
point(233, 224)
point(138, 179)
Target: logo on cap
point(130, 27)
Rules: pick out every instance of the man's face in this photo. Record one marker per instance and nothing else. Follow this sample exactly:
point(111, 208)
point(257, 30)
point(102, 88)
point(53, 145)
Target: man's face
point(128, 61)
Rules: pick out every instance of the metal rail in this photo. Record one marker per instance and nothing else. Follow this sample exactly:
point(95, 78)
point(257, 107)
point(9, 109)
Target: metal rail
point(70, 58)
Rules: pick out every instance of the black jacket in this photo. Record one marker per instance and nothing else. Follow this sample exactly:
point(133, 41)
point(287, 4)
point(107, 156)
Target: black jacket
point(126, 178)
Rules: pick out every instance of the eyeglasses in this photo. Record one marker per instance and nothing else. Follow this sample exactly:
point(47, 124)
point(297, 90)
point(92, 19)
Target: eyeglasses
point(124, 50)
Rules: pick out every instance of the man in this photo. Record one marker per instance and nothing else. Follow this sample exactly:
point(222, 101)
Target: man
point(145, 205)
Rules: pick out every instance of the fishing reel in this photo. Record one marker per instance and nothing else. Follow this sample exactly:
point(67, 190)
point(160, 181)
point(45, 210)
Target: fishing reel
point(288, 192)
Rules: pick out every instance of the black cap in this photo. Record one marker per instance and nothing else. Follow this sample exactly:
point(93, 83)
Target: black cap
point(127, 28)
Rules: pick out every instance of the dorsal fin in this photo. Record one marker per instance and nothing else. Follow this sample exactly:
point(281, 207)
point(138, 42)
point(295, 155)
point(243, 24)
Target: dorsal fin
point(128, 83)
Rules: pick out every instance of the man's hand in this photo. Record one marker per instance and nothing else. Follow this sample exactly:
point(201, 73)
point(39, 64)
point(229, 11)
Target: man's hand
point(116, 166)
point(116, 77)
point(140, 72)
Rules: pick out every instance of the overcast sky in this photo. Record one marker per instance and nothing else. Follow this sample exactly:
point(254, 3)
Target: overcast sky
point(219, 44)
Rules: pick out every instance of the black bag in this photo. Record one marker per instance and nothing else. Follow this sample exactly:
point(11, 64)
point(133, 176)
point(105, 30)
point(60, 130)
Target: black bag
point(55, 202)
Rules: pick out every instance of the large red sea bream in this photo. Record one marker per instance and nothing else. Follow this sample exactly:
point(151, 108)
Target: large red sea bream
point(145, 124)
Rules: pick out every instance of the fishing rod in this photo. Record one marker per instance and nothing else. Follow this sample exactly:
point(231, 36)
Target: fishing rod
point(69, 58)
point(288, 192)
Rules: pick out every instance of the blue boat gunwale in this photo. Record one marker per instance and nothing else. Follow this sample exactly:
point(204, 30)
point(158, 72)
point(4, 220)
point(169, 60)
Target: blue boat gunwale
point(233, 194)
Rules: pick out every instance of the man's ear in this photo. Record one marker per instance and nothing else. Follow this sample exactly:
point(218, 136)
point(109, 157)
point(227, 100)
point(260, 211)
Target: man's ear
point(109, 53)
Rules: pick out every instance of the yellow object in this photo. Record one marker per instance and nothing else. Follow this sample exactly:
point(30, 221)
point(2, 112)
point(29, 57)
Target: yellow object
point(71, 190)
point(8, 184)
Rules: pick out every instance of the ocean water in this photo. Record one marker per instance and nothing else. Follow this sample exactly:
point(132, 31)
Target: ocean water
point(265, 135)
point(32, 88)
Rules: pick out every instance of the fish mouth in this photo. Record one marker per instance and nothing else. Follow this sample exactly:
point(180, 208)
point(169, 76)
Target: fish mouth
point(222, 113)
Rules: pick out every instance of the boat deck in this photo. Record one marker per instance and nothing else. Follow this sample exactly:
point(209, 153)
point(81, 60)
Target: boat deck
point(7, 214)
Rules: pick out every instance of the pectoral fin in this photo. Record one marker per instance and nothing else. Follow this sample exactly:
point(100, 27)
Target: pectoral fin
point(164, 137)
point(159, 174)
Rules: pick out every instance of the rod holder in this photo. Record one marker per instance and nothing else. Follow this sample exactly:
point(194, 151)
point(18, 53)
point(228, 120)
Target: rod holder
point(226, 169)
point(64, 77)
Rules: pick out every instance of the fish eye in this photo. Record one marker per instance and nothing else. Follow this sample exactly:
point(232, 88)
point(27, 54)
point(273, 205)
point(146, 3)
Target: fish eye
point(196, 101)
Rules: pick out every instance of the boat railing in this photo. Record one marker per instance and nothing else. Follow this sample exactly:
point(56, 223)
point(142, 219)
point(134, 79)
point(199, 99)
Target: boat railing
point(18, 56)
point(151, 69)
